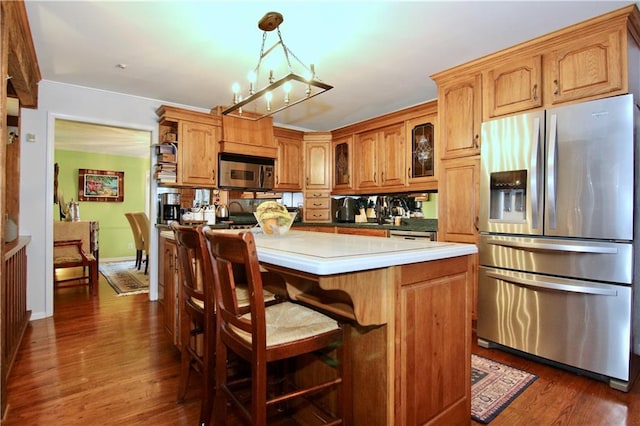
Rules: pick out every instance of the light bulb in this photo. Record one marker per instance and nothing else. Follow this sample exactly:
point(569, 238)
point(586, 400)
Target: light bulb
point(268, 96)
point(235, 88)
point(287, 89)
point(252, 79)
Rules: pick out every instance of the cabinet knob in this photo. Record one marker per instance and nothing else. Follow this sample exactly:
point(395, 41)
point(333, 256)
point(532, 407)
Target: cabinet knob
point(556, 90)
point(213, 175)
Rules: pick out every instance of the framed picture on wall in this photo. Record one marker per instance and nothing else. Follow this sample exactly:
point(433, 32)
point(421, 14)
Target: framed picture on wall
point(100, 185)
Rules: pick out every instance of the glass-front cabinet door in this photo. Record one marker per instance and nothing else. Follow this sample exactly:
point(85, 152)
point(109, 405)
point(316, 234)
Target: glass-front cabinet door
point(421, 155)
point(342, 163)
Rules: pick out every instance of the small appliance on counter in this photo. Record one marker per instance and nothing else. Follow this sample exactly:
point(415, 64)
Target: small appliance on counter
point(345, 209)
point(222, 212)
point(168, 207)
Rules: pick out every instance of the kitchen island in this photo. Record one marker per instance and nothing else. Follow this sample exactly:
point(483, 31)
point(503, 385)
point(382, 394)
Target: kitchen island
point(409, 304)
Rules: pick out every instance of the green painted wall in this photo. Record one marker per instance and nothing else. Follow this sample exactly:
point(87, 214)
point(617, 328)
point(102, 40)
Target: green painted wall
point(115, 233)
point(430, 208)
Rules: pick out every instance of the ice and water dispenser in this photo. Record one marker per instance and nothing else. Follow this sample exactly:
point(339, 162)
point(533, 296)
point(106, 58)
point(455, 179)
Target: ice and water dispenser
point(508, 196)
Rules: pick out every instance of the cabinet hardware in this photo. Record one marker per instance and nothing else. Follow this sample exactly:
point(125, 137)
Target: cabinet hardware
point(535, 92)
point(409, 172)
point(556, 91)
point(374, 176)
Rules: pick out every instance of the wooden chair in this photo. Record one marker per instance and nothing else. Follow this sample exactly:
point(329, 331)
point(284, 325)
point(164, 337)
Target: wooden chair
point(137, 238)
point(197, 314)
point(143, 224)
point(267, 334)
point(71, 249)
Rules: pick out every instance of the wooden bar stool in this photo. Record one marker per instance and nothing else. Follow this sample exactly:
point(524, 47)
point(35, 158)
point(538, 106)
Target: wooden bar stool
point(197, 314)
point(265, 334)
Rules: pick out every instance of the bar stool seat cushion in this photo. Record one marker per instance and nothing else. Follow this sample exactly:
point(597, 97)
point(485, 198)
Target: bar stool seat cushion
point(287, 322)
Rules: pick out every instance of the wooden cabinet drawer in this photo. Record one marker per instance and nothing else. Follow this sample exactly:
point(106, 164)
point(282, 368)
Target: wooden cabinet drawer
point(314, 215)
point(317, 203)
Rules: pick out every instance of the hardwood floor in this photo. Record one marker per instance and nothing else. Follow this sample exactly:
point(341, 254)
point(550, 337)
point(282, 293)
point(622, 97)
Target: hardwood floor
point(107, 361)
point(102, 360)
point(559, 397)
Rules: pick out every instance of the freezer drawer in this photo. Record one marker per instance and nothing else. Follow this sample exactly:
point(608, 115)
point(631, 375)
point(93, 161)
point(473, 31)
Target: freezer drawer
point(581, 324)
point(581, 259)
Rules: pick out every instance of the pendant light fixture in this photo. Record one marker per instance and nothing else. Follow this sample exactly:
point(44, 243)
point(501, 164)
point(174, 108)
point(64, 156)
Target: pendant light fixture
point(277, 92)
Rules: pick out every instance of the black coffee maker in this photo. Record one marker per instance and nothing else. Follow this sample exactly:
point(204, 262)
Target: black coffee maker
point(168, 207)
point(346, 210)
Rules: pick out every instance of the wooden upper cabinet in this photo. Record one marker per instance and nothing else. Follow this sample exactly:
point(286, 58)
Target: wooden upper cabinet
point(380, 158)
point(460, 115)
point(317, 157)
point(391, 160)
point(512, 87)
point(421, 151)
point(195, 136)
point(587, 67)
point(342, 163)
point(289, 160)
point(365, 148)
point(198, 154)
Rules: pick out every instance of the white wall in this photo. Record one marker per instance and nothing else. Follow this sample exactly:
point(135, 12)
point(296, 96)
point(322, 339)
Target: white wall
point(56, 100)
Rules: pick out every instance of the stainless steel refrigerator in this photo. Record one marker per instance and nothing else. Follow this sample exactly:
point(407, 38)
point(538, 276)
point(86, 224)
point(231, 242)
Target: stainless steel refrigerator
point(558, 210)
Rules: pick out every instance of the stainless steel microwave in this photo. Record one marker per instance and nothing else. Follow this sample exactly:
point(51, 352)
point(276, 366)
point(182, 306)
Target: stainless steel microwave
point(246, 172)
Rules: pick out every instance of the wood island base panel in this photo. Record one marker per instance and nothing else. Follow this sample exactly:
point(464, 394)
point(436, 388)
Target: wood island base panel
point(410, 316)
point(409, 306)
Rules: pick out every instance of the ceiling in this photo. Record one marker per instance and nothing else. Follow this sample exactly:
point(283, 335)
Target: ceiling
point(378, 55)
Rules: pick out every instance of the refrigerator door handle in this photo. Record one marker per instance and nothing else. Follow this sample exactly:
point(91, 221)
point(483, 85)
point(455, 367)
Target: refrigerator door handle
point(550, 285)
point(534, 174)
point(575, 248)
point(552, 185)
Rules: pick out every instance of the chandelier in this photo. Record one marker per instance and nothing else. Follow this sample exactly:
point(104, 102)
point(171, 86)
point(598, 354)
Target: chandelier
point(277, 93)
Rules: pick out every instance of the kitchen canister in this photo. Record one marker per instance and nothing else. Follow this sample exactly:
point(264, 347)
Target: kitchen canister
point(210, 215)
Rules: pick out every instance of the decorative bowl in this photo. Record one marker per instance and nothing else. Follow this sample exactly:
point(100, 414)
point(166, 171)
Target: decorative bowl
point(276, 226)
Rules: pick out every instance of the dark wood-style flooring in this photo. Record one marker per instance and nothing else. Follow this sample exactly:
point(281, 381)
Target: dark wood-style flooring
point(107, 361)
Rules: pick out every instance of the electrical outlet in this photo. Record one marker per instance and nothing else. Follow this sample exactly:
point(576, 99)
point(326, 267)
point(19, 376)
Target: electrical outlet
point(130, 245)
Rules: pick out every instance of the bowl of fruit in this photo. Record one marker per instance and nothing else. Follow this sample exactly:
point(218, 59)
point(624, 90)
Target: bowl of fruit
point(274, 218)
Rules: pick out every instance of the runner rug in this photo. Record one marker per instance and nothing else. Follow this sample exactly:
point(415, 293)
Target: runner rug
point(494, 386)
point(124, 278)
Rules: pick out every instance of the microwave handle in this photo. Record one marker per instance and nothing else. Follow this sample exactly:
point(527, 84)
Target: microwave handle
point(261, 177)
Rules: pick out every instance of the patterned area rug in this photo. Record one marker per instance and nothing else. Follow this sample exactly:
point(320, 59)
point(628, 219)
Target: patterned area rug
point(494, 386)
point(124, 278)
